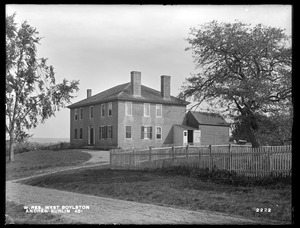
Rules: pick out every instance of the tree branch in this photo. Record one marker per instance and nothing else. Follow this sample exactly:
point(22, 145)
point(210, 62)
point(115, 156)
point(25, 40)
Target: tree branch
point(21, 118)
point(238, 106)
point(281, 95)
point(234, 71)
point(7, 129)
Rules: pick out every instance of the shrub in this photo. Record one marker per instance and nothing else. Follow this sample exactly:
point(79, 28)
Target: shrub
point(227, 177)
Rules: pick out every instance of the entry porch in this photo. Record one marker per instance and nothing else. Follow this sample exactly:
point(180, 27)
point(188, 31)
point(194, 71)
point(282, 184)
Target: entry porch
point(185, 135)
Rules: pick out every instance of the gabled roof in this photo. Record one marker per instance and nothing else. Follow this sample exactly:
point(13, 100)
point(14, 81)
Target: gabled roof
point(124, 92)
point(205, 118)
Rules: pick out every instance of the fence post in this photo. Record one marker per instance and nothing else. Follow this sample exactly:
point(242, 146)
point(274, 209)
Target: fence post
point(173, 153)
point(210, 158)
point(187, 151)
point(269, 161)
point(199, 158)
point(110, 160)
point(230, 156)
point(150, 152)
point(133, 158)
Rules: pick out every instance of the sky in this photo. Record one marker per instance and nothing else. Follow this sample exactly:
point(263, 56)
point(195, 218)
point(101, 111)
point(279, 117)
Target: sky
point(100, 45)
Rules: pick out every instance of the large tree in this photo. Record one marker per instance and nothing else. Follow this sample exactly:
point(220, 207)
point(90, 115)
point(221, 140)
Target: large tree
point(244, 70)
point(32, 95)
point(272, 130)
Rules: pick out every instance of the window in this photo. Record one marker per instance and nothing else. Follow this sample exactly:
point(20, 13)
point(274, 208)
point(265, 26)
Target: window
point(158, 132)
point(76, 114)
point(158, 110)
point(109, 132)
point(100, 132)
point(81, 113)
point(103, 132)
point(128, 132)
point(75, 134)
point(146, 132)
point(102, 110)
point(80, 133)
point(146, 109)
point(128, 108)
point(109, 109)
point(91, 112)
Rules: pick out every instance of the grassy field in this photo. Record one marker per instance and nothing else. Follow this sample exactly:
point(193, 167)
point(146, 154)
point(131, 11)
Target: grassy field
point(33, 162)
point(160, 187)
point(176, 190)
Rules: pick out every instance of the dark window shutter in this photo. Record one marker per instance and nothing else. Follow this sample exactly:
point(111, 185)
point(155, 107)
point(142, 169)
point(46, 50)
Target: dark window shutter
point(150, 133)
point(142, 133)
point(111, 131)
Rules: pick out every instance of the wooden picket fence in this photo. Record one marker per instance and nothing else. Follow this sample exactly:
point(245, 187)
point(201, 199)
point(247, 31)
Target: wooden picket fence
point(242, 159)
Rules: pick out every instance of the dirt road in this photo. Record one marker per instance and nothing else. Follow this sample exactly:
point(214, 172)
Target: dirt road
point(97, 156)
point(109, 211)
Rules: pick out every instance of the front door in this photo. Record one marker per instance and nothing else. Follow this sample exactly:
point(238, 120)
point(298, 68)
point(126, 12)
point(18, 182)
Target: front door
point(91, 135)
point(185, 137)
point(197, 137)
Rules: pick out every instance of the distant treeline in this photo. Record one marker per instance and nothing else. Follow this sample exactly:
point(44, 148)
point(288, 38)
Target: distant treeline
point(49, 140)
point(31, 146)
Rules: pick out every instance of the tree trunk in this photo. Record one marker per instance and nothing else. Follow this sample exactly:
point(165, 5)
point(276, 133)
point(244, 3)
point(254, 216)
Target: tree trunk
point(252, 136)
point(11, 146)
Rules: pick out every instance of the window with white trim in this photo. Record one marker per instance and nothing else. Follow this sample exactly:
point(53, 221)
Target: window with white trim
point(103, 132)
point(128, 132)
point(75, 134)
point(91, 112)
point(128, 108)
point(146, 109)
point(158, 132)
point(80, 133)
point(109, 132)
point(109, 111)
point(81, 113)
point(102, 110)
point(146, 132)
point(76, 114)
point(158, 110)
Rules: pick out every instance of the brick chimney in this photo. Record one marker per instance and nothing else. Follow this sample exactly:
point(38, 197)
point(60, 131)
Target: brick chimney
point(165, 86)
point(89, 93)
point(136, 83)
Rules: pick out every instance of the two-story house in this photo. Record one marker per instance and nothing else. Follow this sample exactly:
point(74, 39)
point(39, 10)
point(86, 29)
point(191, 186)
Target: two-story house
point(127, 115)
point(132, 115)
